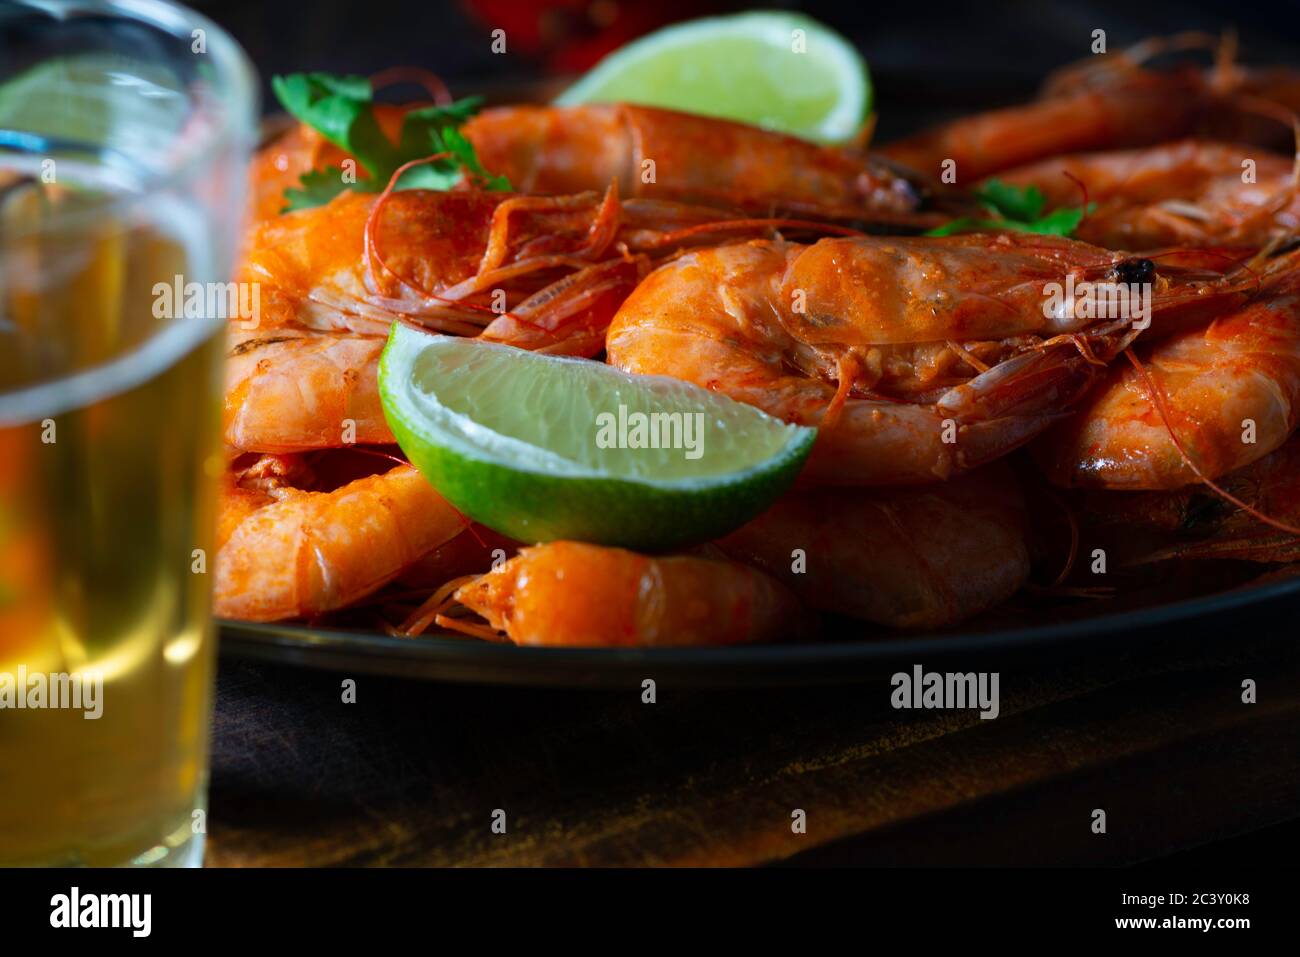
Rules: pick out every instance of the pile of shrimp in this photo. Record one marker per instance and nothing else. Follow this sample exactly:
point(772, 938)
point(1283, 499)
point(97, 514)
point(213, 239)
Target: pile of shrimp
point(960, 423)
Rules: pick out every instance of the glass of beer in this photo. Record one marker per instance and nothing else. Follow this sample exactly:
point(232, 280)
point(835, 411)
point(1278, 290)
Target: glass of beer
point(125, 130)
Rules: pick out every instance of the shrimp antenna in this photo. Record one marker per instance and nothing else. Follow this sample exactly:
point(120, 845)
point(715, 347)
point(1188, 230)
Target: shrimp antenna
point(432, 83)
point(1153, 47)
point(585, 281)
point(371, 242)
point(1072, 520)
point(1158, 399)
point(1286, 195)
point(1083, 188)
point(485, 632)
point(419, 620)
point(1225, 60)
point(1096, 68)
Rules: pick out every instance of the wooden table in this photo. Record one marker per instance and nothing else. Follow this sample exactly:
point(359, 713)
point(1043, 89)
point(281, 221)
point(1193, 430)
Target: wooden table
point(412, 773)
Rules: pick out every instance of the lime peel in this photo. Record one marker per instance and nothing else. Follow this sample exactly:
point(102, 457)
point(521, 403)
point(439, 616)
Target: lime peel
point(743, 67)
point(508, 437)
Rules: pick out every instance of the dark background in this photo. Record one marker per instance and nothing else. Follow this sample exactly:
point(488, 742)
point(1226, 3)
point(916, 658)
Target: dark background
point(927, 57)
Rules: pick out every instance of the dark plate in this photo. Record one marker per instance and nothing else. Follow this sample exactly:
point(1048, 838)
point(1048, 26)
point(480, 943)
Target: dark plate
point(1213, 617)
point(1224, 610)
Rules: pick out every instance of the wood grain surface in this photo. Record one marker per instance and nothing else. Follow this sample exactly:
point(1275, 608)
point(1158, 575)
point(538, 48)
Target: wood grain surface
point(412, 772)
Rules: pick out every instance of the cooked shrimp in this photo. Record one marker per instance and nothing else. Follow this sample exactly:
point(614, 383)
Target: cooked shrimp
point(648, 152)
point(1197, 522)
point(573, 594)
point(1213, 528)
point(1141, 109)
point(907, 558)
point(1106, 102)
point(287, 553)
point(916, 358)
point(292, 390)
point(462, 261)
point(235, 504)
point(680, 156)
point(440, 258)
point(1188, 193)
point(542, 273)
point(1231, 390)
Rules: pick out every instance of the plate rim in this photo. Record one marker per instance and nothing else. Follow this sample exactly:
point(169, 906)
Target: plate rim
point(299, 644)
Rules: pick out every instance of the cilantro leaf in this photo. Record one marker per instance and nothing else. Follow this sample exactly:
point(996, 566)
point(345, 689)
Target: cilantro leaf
point(1009, 202)
point(426, 126)
point(341, 109)
point(316, 188)
point(965, 225)
point(1063, 221)
point(456, 144)
point(440, 175)
point(1017, 210)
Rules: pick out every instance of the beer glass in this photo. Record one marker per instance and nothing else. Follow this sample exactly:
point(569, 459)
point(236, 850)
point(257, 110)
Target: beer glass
point(125, 129)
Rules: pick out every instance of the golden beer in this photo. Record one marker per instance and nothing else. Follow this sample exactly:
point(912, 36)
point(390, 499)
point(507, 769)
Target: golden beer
point(109, 461)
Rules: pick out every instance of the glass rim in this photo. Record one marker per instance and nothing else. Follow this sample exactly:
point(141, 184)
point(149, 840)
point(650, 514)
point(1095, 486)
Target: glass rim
point(237, 115)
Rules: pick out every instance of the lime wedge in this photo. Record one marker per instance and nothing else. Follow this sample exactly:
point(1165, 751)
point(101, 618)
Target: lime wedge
point(781, 71)
point(542, 447)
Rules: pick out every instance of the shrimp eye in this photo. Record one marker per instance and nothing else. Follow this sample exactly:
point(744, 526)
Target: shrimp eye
point(1134, 271)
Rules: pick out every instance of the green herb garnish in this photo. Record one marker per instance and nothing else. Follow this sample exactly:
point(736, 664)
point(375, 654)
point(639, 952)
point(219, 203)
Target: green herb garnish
point(1019, 210)
point(341, 109)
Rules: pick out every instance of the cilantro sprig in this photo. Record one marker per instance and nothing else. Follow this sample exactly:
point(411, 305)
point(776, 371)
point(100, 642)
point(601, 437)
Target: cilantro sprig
point(1020, 210)
point(341, 109)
